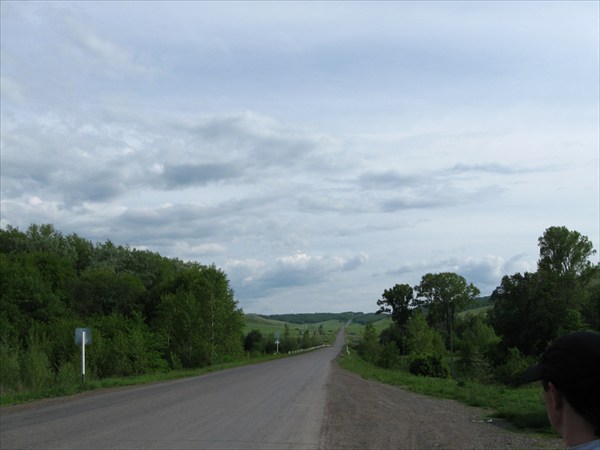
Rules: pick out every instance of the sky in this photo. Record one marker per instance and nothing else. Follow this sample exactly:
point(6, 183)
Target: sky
point(317, 152)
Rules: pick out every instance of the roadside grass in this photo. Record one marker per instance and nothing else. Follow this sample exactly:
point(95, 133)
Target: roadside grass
point(521, 406)
point(72, 384)
point(75, 386)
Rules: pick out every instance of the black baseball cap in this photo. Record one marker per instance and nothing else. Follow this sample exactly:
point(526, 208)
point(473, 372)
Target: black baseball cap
point(571, 362)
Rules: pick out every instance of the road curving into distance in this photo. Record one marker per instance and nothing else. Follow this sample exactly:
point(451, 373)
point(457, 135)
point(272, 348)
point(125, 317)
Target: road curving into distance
point(273, 405)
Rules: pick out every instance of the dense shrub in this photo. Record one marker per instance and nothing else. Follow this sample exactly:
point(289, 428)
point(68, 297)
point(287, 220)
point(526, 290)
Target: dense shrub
point(389, 356)
point(511, 372)
point(429, 366)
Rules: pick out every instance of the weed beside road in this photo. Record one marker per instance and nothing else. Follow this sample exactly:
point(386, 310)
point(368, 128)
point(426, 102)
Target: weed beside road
point(521, 406)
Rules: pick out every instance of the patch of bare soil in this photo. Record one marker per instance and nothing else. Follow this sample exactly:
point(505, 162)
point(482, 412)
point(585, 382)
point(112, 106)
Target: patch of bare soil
point(365, 414)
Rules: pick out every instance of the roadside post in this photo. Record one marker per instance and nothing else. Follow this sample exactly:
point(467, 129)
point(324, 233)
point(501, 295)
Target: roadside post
point(83, 336)
point(277, 342)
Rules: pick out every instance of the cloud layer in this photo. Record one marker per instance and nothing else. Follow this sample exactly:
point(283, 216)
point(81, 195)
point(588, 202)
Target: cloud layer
point(318, 158)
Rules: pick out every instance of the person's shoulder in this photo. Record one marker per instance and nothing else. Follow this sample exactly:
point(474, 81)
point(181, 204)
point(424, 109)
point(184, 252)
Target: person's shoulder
point(592, 445)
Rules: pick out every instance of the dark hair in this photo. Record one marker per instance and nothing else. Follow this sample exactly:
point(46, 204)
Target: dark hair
point(587, 406)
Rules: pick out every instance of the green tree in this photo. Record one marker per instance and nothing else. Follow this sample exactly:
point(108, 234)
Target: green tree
point(476, 342)
point(564, 267)
point(101, 290)
point(531, 310)
point(393, 334)
point(369, 344)
point(445, 295)
point(518, 314)
point(398, 302)
point(253, 342)
point(181, 325)
point(421, 339)
point(564, 252)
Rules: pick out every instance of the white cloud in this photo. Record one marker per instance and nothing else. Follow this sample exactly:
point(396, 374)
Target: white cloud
point(446, 137)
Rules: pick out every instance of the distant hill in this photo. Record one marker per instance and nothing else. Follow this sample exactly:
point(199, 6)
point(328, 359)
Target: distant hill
point(304, 318)
point(481, 302)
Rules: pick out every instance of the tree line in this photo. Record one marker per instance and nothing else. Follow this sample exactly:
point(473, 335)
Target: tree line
point(147, 312)
point(527, 312)
point(302, 318)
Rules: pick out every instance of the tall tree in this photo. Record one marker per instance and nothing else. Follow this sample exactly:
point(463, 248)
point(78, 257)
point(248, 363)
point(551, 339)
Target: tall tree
point(564, 252)
point(445, 295)
point(397, 301)
point(564, 266)
point(531, 310)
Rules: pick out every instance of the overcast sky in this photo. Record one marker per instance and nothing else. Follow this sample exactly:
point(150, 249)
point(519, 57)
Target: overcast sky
point(318, 153)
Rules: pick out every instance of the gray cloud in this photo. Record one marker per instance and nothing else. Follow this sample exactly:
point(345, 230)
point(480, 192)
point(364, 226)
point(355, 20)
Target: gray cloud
point(389, 179)
point(185, 175)
point(484, 272)
point(239, 141)
point(255, 278)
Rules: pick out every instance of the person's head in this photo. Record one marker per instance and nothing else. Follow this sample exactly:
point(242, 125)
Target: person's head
point(570, 374)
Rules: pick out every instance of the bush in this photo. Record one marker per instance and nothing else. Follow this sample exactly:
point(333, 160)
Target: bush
point(9, 368)
point(389, 356)
point(511, 372)
point(35, 368)
point(68, 376)
point(429, 366)
point(255, 343)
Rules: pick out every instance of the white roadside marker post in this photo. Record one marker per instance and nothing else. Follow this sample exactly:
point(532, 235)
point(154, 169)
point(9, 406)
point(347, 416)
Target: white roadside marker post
point(83, 336)
point(83, 356)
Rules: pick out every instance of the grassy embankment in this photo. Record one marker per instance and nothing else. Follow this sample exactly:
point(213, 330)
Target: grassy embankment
point(75, 386)
point(266, 326)
point(521, 406)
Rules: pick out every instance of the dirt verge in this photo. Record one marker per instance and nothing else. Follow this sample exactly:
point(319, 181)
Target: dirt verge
point(364, 414)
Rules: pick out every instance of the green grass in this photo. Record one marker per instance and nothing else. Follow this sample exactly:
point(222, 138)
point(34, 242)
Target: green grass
point(94, 384)
point(262, 324)
point(269, 326)
point(354, 330)
point(252, 322)
point(522, 406)
point(474, 311)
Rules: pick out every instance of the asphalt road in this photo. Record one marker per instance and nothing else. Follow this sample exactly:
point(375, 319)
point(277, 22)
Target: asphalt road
point(275, 405)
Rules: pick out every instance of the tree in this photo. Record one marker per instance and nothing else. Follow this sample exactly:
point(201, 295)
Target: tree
point(564, 252)
point(477, 341)
point(531, 310)
point(421, 339)
point(369, 345)
point(253, 342)
point(445, 295)
point(564, 268)
point(397, 301)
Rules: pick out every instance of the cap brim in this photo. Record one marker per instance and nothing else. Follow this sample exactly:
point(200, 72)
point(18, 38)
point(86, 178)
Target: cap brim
point(533, 373)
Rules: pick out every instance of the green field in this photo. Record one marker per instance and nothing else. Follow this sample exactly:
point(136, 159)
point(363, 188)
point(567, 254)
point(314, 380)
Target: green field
point(262, 324)
point(269, 326)
point(475, 311)
point(354, 330)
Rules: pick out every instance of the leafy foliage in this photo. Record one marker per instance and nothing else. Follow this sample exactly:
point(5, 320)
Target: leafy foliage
point(505, 332)
point(398, 302)
point(147, 312)
point(429, 366)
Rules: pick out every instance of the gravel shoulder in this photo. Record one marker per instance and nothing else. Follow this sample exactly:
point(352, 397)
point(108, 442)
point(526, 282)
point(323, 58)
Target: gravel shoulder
point(365, 414)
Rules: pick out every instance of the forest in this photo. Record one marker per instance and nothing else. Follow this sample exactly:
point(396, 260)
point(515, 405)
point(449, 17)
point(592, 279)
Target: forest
point(147, 312)
point(432, 335)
